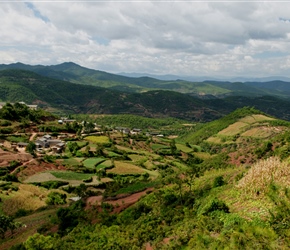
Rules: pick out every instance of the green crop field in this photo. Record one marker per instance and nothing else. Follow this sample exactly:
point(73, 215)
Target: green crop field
point(159, 146)
point(112, 154)
point(98, 139)
point(92, 162)
point(184, 148)
point(69, 175)
point(81, 143)
point(136, 187)
point(105, 164)
point(72, 161)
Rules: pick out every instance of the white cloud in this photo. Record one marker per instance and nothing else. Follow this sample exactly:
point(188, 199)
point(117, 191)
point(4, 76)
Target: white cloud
point(193, 38)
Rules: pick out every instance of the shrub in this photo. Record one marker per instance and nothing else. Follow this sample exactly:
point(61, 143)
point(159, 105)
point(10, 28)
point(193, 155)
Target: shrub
point(90, 179)
point(55, 198)
point(218, 181)
point(215, 205)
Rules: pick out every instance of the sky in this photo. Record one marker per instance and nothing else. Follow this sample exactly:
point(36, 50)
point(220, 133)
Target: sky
point(188, 38)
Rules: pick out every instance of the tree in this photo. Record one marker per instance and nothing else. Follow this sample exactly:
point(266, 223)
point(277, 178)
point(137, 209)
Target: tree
point(6, 223)
point(39, 242)
point(56, 198)
point(173, 147)
point(30, 148)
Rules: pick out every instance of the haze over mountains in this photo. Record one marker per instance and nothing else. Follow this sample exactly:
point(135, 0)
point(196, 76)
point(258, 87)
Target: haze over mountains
point(71, 88)
point(207, 78)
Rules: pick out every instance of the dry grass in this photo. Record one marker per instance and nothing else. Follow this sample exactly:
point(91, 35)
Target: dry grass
point(258, 178)
point(214, 139)
point(255, 118)
point(98, 139)
point(125, 168)
point(259, 132)
point(28, 197)
point(233, 129)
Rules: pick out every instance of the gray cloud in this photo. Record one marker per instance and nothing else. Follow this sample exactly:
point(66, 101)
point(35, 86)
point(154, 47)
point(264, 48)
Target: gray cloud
point(193, 38)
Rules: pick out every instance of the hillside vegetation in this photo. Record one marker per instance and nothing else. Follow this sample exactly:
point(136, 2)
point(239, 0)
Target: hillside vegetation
point(69, 98)
point(217, 185)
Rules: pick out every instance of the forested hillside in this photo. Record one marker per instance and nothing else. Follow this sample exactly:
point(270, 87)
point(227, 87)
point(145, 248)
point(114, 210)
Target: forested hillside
point(65, 97)
point(74, 73)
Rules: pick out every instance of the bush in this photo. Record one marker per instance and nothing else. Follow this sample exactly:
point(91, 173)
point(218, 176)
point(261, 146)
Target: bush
point(51, 184)
point(21, 212)
point(215, 205)
point(55, 198)
point(218, 181)
point(90, 179)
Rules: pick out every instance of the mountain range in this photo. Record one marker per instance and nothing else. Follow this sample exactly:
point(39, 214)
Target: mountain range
point(71, 88)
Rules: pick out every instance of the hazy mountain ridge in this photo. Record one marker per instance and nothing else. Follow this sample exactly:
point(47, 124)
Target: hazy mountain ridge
point(47, 88)
point(74, 73)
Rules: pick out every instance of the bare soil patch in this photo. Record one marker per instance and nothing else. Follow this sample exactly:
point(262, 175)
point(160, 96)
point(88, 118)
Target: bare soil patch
point(120, 202)
point(6, 157)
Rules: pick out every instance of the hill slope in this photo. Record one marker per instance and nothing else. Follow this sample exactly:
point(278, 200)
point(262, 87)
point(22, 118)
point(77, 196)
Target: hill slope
point(77, 74)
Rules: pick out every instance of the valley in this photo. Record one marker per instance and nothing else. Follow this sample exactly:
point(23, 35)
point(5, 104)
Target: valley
point(143, 183)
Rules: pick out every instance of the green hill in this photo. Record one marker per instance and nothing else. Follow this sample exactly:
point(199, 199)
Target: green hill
point(77, 74)
point(66, 97)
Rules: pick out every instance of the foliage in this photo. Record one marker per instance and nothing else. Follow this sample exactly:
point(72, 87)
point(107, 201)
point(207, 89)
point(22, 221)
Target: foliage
point(7, 223)
point(56, 198)
point(51, 184)
point(215, 205)
point(218, 181)
point(70, 217)
point(30, 148)
point(39, 242)
point(212, 128)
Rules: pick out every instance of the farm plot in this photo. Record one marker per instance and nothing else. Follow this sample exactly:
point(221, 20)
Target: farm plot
point(256, 118)
point(183, 148)
point(137, 158)
point(69, 175)
point(93, 162)
point(98, 139)
point(73, 178)
point(105, 165)
point(156, 146)
point(126, 168)
point(72, 161)
point(28, 197)
point(259, 132)
point(233, 129)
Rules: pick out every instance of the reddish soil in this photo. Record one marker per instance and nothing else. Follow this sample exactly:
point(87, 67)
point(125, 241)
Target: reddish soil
point(34, 167)
point(6, 157)
point(120, 202)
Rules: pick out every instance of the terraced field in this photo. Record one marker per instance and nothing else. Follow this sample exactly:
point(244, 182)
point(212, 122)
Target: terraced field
point(125, 168)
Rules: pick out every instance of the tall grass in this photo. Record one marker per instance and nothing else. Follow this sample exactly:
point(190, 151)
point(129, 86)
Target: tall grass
point(263, 173)
point(28, 197)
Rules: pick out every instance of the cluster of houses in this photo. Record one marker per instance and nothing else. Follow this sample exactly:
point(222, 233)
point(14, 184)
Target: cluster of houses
point(136, 131)
point(127, 131)
point(47, 141)
point(43, 143)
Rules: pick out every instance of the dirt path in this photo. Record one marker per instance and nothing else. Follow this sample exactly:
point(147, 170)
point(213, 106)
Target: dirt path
point(32, 136)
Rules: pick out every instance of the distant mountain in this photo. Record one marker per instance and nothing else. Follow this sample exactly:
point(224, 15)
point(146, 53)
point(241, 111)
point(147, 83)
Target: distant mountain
point(27, 86)
point(209, 88)
point(207, 78)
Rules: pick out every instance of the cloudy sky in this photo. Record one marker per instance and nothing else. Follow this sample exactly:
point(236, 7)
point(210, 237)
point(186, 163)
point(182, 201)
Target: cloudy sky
point(197, 38)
